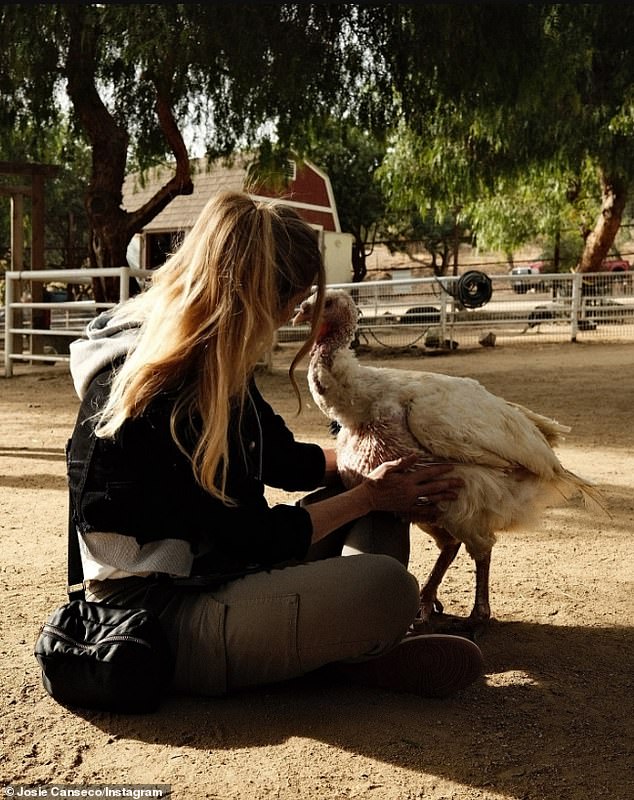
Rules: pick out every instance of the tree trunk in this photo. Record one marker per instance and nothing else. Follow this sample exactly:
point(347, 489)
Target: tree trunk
point(557, 251)
point(457, 233)
point(359, 266)
point(440, 270)
point(112, 228)
point(600, 240)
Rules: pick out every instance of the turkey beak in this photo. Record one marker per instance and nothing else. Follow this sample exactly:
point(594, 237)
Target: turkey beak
point(303, 315)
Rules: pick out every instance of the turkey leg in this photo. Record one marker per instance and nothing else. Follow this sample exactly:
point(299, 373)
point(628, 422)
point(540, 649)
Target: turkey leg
point(482, 610)
point(449, 547)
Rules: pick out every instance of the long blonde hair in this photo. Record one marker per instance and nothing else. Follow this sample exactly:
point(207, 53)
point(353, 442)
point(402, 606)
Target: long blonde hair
point(210, 313)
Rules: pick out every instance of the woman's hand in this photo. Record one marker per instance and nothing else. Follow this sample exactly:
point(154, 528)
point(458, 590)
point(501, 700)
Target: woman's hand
point(406, 487)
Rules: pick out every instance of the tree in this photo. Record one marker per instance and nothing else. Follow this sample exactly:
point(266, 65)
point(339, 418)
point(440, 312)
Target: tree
point(405, 230)
point(510, 90)
point(137, 75)
point(536, 208)
point(430, 186)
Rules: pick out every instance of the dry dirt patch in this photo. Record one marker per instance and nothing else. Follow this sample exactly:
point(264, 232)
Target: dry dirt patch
point(552, 720)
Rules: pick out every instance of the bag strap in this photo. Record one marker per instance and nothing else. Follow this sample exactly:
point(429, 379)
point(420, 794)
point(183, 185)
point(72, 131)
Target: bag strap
point(75, 588)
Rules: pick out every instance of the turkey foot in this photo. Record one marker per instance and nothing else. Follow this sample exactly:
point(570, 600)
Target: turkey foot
point(431, 617)
point(430, 605)
point(481, 612)
point(445, 623)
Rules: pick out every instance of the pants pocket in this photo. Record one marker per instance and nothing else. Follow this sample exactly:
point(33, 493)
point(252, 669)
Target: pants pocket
point(261, 640)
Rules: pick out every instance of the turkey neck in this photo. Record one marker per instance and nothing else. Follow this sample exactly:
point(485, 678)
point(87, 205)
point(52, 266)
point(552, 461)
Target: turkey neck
point(333, 373)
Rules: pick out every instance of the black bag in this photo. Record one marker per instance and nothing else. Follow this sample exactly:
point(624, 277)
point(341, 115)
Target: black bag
point(101, 657)
point(104, 658)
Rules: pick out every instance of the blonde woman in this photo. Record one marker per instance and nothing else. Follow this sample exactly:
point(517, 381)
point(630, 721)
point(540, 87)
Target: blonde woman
point(168, 464)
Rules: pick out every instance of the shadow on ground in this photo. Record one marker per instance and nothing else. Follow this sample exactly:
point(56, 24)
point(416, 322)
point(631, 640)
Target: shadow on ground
point(550, 720)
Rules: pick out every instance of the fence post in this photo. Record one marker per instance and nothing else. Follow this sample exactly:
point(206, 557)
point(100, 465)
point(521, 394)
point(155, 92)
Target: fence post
point(575, 305)
point(444, 300)
point(124, 284)
point(8, 324)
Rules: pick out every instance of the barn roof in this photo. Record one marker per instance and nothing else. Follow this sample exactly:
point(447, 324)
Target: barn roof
point(211, 178)
point(182, 211)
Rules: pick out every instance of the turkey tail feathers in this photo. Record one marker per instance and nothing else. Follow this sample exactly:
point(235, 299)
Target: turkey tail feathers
point(552, 430)
point(592, 497)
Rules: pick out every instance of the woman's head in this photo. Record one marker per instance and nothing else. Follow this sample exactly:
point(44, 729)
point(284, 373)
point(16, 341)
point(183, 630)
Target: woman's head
point(212, 311)
point(236, 276)
point(243, 255)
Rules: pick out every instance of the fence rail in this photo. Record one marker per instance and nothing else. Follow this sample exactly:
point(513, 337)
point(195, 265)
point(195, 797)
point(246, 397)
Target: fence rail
point(400, 313)
point(42, 331)
point(427, 312)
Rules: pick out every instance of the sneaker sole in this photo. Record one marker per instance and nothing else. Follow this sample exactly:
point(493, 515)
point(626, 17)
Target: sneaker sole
point(433, 665)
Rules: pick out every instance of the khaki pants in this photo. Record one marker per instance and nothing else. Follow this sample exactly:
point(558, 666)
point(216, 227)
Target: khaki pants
point(279, 624)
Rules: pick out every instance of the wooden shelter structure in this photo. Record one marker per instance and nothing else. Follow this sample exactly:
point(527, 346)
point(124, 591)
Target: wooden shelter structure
point(33, 177)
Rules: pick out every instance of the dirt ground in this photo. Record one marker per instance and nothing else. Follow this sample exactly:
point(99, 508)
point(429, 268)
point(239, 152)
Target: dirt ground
point(551, 720)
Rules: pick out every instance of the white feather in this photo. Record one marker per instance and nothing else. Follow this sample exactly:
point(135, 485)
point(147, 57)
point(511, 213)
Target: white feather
point(502, 451)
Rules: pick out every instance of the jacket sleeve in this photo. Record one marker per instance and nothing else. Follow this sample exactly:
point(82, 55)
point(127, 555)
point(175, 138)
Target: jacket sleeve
point(286, 463)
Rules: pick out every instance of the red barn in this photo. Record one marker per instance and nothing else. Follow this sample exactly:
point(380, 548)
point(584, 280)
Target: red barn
point(307, 188)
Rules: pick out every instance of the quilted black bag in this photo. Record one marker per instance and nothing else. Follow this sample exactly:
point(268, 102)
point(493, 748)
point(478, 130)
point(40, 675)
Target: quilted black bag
point(99, 656)
point(104, 658)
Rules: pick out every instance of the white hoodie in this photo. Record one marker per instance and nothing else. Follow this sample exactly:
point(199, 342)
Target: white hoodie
point(108, 339)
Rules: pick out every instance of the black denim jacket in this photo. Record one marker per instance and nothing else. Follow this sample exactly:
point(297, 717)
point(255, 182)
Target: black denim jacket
point(140, 484)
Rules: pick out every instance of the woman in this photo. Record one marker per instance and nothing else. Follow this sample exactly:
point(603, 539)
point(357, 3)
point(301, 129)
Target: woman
point(168, 463)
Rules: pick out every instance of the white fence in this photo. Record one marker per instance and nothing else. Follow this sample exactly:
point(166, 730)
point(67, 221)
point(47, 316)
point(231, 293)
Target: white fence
point(63, 321)
point(423, 312)
point(427, 312)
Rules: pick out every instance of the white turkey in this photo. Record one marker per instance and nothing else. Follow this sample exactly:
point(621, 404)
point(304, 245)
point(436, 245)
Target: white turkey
point(502, 451)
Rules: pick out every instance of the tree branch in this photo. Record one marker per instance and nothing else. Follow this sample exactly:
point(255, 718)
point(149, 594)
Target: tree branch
point(181, 183)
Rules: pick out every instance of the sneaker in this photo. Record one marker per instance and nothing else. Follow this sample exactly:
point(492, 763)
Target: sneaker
point(433, 665)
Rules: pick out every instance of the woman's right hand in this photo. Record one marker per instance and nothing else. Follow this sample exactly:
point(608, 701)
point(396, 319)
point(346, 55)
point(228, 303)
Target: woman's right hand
point(404, 487)
point(398, 486)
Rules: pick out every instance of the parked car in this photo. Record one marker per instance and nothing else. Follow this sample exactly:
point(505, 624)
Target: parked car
point(530, 270)
point(421, 315)
point(605, 311)
point(594, 310)
point(615, 265)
